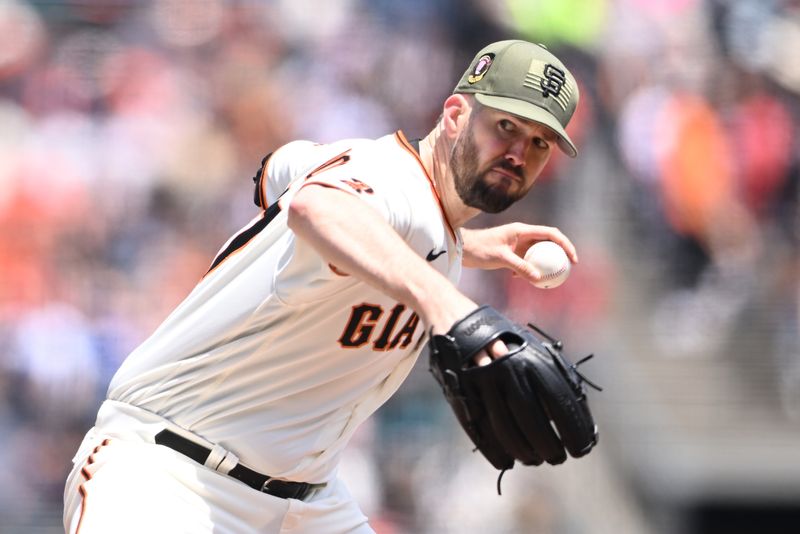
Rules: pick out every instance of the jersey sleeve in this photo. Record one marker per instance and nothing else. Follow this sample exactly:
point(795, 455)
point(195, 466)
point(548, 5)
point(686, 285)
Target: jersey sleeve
point(370, 177)
point(280, 168)
point(305, 276)
point(363, 171)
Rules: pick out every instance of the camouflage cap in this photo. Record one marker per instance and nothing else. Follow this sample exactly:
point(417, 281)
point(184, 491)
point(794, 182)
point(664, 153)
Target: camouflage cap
point(526, 80)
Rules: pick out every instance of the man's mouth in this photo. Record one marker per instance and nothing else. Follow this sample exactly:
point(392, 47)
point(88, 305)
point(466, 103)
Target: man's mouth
point(507, 173)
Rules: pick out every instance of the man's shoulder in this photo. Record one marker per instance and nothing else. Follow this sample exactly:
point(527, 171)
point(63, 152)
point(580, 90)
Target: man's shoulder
point(389, 158)
point(310, 151)
point(390, 154)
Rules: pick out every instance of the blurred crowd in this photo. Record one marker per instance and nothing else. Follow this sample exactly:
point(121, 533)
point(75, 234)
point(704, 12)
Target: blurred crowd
point(130, 129)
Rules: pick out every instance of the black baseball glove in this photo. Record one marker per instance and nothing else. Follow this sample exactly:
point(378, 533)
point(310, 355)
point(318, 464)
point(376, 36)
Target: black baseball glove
point(507, 407)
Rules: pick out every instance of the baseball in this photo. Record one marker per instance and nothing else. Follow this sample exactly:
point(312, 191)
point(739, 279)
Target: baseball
point(551, 261)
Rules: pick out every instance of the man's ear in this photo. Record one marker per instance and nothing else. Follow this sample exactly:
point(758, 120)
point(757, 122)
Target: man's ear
point(455, 114)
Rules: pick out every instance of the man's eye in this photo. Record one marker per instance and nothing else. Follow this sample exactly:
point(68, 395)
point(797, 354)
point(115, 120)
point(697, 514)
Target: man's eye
point(540, 143)
point(506, 125)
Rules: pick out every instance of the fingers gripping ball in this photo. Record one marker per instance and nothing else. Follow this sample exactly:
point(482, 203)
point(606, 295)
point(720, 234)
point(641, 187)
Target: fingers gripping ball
point(551, 261)
point(529, 405)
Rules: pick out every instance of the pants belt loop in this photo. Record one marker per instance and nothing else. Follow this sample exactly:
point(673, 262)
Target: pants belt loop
point(215, 457)
point(228, 462)
point(221, 460)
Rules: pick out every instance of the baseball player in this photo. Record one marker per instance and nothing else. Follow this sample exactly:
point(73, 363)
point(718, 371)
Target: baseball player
point(232, 416)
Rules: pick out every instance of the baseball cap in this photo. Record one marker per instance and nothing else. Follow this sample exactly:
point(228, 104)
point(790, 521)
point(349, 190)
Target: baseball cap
point(526, 80)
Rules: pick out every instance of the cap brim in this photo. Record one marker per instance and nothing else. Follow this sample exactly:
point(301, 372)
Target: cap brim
point(531, 112)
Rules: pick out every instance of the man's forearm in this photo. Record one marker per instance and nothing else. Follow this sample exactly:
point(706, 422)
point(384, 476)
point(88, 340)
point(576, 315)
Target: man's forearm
point(357, 240)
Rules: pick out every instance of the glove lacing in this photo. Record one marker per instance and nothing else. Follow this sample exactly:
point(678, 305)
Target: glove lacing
point(558, 345)
point(583, 378)
point(499, 478)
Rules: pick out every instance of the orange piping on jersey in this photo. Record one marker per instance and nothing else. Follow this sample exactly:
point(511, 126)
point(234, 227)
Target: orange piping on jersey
point(247, 234)
point(337, 187)
point(263, 183)
point(337, 271)
point(401, 138)
point(87, 476)
point(329, 185)
point(265, 175)
point(214, 266)
point(334, 162)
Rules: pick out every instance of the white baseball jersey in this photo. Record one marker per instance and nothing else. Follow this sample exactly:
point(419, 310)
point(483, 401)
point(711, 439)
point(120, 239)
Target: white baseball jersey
point(277, 355)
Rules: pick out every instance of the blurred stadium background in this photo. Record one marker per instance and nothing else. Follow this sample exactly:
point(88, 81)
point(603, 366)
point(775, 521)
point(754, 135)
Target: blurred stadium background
point(129, 130)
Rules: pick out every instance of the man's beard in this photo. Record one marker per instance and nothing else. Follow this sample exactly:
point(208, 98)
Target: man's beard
point(472, 185)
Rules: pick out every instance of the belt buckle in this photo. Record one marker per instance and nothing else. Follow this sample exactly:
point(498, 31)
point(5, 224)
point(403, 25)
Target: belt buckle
point(265, 485)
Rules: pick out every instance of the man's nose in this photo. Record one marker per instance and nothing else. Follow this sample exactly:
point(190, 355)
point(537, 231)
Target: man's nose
point(516, 152)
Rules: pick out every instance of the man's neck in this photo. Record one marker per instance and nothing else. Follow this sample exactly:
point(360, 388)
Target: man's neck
point(434, 151)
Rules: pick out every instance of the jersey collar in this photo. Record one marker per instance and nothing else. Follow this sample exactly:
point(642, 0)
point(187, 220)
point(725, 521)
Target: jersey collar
point(412, 147)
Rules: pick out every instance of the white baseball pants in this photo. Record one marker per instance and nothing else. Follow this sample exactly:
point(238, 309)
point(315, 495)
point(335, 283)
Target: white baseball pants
point(122, 483)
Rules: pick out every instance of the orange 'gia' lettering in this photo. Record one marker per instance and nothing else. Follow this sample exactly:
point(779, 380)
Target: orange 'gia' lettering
point(406, 333)
point(360, 325)
point(365, 320)
point(382, 343)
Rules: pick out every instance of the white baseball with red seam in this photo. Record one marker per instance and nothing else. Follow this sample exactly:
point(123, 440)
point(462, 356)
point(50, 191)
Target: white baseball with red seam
point(551, 261)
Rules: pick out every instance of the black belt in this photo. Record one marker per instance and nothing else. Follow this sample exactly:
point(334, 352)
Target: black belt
point(266, 484)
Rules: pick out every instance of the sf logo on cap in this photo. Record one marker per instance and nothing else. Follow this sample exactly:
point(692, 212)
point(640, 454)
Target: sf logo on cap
point(554, 79)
